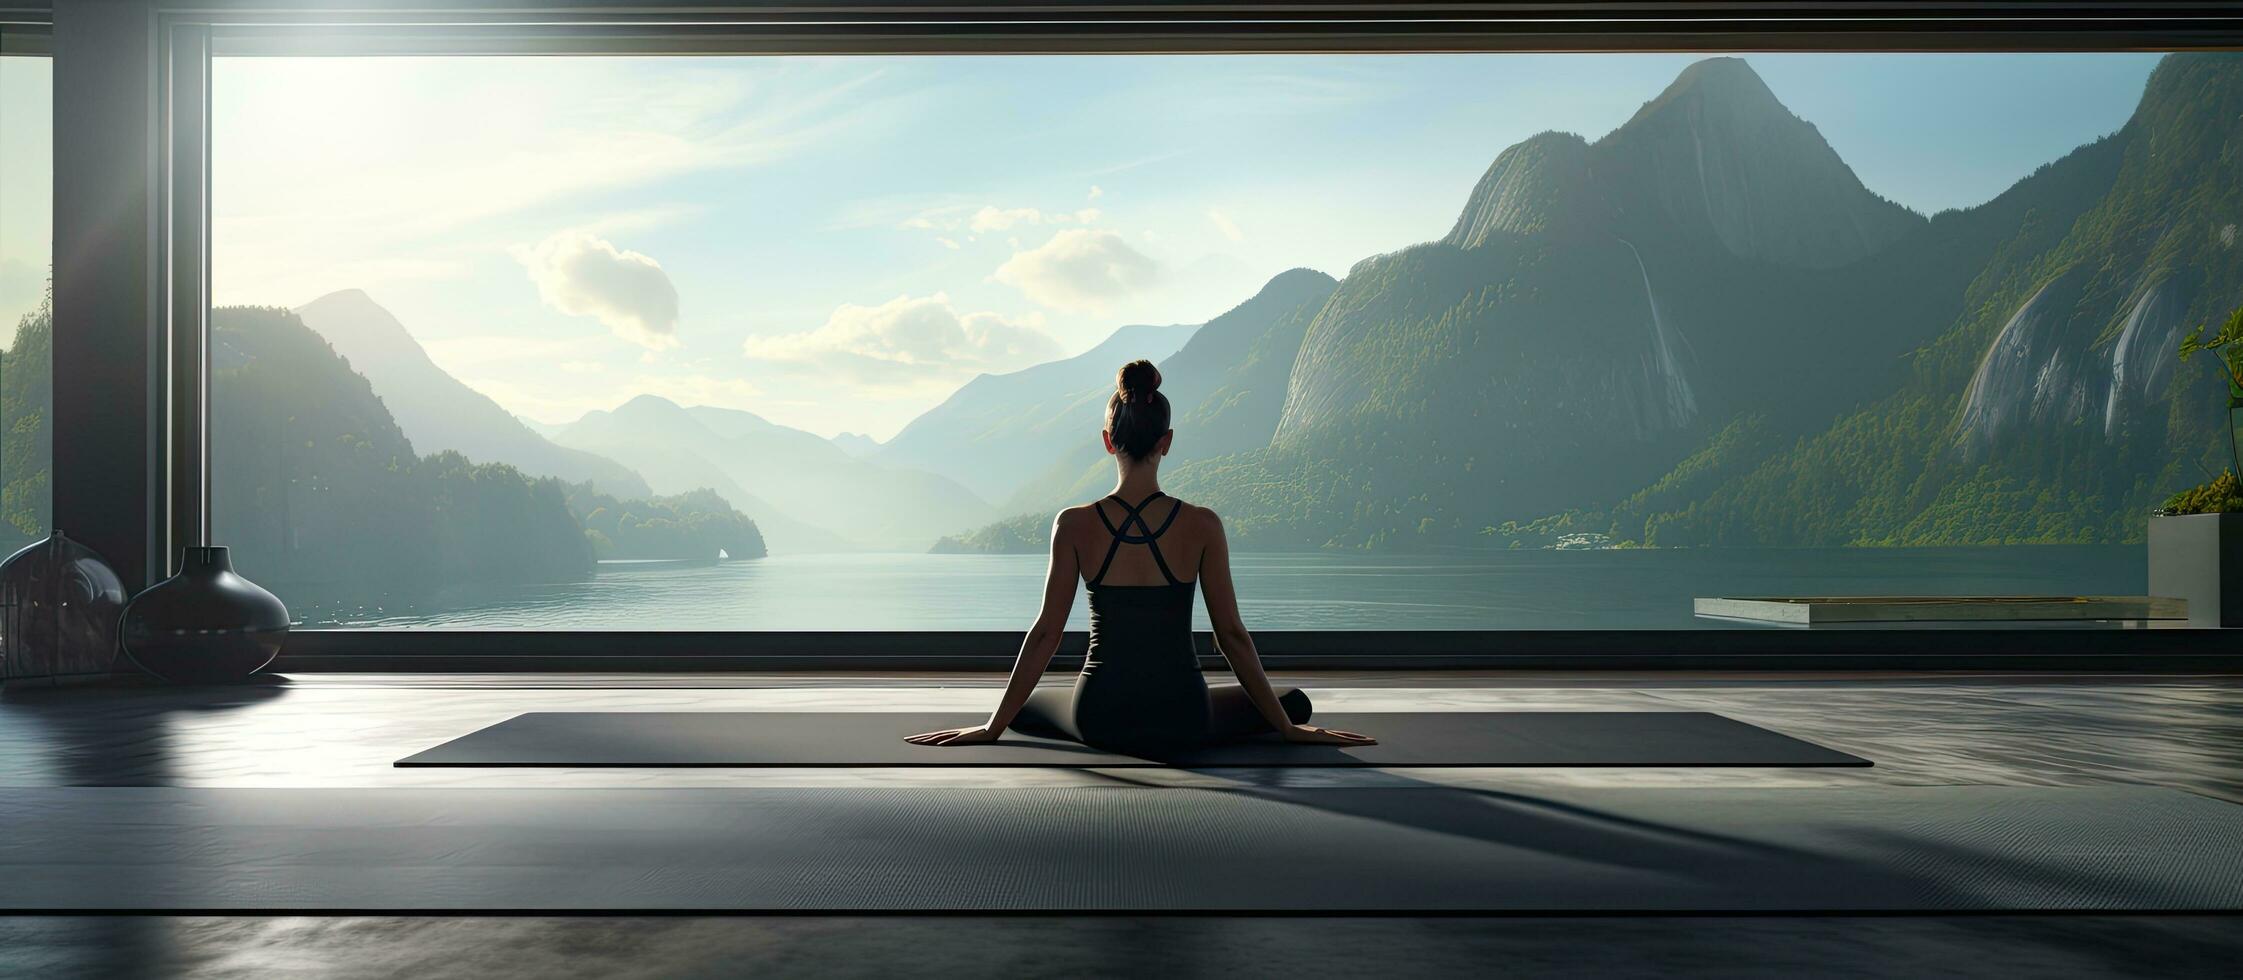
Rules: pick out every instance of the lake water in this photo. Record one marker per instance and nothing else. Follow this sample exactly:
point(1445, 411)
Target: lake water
point(1633, 589)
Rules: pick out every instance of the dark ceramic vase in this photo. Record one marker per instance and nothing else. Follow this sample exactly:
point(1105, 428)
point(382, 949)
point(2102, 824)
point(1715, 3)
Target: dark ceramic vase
point(59, 604)
point(206, 624)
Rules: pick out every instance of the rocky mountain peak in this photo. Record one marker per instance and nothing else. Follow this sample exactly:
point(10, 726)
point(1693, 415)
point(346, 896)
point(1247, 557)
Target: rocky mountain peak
point(1541, 185)
point(1718, 155)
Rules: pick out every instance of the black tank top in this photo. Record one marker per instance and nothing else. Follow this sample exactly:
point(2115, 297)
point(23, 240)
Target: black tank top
point(1140, 684)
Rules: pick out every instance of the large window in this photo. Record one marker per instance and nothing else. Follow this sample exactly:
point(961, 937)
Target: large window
point(26, 317)
point(1457, 341)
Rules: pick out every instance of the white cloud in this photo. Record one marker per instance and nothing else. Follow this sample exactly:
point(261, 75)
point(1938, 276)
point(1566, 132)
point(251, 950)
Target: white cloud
point(1224, 224)
point(910, 336)
point(582, 367)
point(1096, 192)
point(950, 244)
point(581, 274)
point(999, 219)
point(1079, 269)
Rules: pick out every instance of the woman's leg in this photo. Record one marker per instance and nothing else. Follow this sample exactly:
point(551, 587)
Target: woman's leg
point(1231, 714)
point(1049, 713)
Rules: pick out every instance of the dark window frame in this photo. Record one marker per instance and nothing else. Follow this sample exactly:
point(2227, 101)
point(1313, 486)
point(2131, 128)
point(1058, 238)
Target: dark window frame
point(186, 34)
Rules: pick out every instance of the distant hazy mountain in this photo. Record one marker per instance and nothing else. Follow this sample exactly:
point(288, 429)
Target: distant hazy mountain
point(666, 446)
point(785, 473)
point(546, 429)
point(810, 477)
point(999, 430)
point(436, 411)
point(856, 445)
point(1225, 389)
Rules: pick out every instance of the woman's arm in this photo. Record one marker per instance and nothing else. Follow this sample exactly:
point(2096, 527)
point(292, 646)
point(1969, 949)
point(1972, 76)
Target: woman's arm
point(1237, 646)
point(1036, 649)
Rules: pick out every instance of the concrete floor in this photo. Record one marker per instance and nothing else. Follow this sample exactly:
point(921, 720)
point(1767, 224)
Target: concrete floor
point(344, 730)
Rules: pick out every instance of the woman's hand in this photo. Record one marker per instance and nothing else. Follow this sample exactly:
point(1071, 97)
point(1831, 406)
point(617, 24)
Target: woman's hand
point(977, 735)
point(1312, 735)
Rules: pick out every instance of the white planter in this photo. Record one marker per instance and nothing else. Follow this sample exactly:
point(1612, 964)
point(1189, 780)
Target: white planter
point(2199, 557)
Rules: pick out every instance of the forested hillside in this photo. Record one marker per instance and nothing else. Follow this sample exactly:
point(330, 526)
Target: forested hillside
point(697, 525)
point(26, 441)
point(2054, 408)
point(435, 410)
point(314, 484)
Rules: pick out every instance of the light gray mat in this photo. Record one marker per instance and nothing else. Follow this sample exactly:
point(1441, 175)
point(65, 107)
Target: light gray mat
point(678, 739)
point(1119, 848)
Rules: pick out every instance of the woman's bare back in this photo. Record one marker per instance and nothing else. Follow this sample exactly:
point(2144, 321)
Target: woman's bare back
point(1184, 534)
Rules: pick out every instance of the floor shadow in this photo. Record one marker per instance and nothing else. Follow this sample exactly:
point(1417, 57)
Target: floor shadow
point(1760, 873)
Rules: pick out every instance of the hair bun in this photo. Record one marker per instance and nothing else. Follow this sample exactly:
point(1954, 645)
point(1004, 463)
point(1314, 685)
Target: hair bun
point(1138, 380)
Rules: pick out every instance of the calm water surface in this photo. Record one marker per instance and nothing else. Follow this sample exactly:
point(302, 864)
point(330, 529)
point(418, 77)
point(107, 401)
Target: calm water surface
point(1496, 590)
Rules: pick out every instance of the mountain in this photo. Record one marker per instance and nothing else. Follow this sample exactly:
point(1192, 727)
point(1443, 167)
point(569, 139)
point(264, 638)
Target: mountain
point(316, 489)
point(546, 429)
point(1702, 330)
point(999, 430)
point(806, 492)
point(435, 410)
point(319, 490)
point(1227, 386)
point(807, 476)
point(1597, 311)
point(2053, 406)
point(1225, 389)
point(856, 445)
point(1716, 158)
point(698, 525)
point(665, 447)
point(313, 482)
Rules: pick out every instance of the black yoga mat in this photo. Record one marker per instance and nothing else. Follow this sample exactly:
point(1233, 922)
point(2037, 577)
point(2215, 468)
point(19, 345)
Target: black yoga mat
point(753, 739)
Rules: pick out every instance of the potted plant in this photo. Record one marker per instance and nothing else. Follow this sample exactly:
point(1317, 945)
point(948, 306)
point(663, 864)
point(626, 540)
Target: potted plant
point(2196, 539)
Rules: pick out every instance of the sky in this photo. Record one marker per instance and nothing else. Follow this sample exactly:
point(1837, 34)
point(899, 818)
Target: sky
point(837, 243)
point(26, 186)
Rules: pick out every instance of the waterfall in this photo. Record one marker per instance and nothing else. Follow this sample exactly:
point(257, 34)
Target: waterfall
point(1666, 343)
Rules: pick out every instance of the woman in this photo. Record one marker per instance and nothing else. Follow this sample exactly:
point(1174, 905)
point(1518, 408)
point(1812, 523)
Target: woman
point(1140, 553)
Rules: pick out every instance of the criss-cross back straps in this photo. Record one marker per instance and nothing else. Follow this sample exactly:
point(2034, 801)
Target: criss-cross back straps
point(1150, 537)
